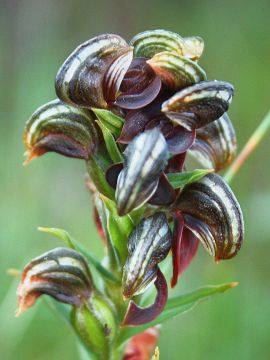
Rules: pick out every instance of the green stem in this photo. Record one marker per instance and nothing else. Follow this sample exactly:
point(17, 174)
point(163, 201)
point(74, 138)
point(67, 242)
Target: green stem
point(116, 354)
point(250, 146)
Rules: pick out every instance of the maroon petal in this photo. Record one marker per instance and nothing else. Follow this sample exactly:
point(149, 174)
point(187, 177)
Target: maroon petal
point(162, 122)
point(134, 124)
point(112, 174)
point(176, 163)
point(184, 247)
point(115, 74)
point(150, 116)
point(189, 246)
point(134, 75)
point(139, 87)
point(180, 140)
point(136, 315)
point(165, 193)
point(139, 100)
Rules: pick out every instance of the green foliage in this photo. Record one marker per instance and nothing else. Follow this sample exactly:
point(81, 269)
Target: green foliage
point(112, 147)
point(179, 180)
point(112, 122)
point(119, 228)
point(176, 306)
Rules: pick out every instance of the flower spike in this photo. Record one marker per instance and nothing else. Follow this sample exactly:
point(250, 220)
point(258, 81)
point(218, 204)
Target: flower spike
point(135, 112)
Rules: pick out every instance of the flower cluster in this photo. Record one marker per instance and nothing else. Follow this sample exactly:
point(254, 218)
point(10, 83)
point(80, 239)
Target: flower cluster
point(135, 113)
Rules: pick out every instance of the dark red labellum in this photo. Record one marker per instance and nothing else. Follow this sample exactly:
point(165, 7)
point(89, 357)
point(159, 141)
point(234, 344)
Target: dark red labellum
point(184, 247)
point(139, 87)
point(112, 174)
point(180, 140)
point(176, 163)
point(136, 315)
point(165, 193)
point(137, 121)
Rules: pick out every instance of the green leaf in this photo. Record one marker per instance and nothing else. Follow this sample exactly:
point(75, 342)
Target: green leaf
point(119, 228)
point(111, 145)
point(113, 122)
point(178, 180)
point(176, 306)
point(97, 175)
point(74, 244)
point(112, 253)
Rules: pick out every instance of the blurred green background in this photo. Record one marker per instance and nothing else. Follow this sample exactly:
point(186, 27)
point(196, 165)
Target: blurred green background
point(35, 38)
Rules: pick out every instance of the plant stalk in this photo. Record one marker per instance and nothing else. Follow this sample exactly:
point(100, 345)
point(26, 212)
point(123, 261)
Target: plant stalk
point(250, 146)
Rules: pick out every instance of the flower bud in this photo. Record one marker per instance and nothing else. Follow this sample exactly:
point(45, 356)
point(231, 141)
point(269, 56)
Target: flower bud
point(95, 324)
point(60, 273)
point(145, 158)
point(213, 214)
point(148, 244)
point(200, 104)
point(61, 128)
point(64, 275)
point(151, 42)
point(195, 45)
point(215, 145)
point(142, 346)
